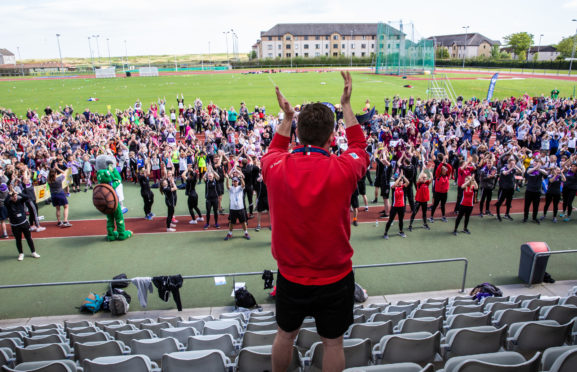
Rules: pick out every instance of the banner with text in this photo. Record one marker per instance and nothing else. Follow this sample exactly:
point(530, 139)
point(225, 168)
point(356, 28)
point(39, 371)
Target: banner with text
point(492, 86)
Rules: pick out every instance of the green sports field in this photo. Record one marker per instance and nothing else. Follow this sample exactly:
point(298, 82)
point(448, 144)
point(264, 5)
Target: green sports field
point(228, 89)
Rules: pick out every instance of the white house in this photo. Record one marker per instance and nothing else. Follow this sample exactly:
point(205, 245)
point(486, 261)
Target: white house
point(7, 57)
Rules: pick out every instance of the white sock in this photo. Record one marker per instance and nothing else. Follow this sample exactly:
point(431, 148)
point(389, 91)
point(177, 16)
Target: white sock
point(246, 231)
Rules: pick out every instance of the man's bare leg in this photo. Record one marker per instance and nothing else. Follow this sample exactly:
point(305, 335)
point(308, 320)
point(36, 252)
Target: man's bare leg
point(333, 354)
point(282, 350)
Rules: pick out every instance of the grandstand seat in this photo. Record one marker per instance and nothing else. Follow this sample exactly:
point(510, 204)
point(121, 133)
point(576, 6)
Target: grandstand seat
point(379, 305)
point(263, 326)
point(397, 367)
point(155, 348)
point(127, 336)
point(238, 316)
point(259, 358)
point(521, 298)
point(172, 320)
point(496, 306)
point(25, 329)
point(198, 325)
point(418, 347)
point(359, 318)
point(64, 365)
point(457, 298)
point(78, 330)
point(467, 320)
point(34, 353)
point(218, 327)
point(121, 363)
point(258, 338)
point(76, 324)
point(536, 335)
point(309, 322)
point(412, 325)
point(104, 323)
point(306, 338)
point(414, 303)
point(559, 359)
point(428, 313)
point(473, 340)
point(374, 331)
point(110, 329)
point(181, 334)
point(46, 332)
point(14, 334)
point(432, 305)
point(89, 337)
point(6, 356)
point(37, 327)
point(367, 312)
point(262, 319)
point(385, 317)
point(510, 316)
point(560, 313)
point(11, 343)
point(222, 342)
point(206, 318)
point(468, 301)
point(260, 314)
point(48, 339)
point(91, 350)
point(199, 360)
point(539, 302)
point(155, 327)
point(504, 361)
point(139, 321)
point(492, 299)
point(464, 309)
point(407, 309)
point(444, 301)
point(569, 300)
point(357, 354)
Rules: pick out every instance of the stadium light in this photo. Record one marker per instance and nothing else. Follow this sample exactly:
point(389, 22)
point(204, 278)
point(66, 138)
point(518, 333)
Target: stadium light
point(108, 46)
point(465, 45)
point(59, 50)
point(226, 40)
point(20, 59)
point(573, 52)
point(91, 55)
point(97, 45)
point(125, 55)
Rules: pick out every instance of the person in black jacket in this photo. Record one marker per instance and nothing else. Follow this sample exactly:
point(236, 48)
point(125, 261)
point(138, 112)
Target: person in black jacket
point(191, 176)
point(553, 194)
point(15, 205)
point(569, 188)
point(146, 193)
point(507, 187)
point(534, 176)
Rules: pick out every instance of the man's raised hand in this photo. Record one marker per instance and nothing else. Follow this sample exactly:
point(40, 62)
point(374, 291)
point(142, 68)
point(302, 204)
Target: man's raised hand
point(346, 97)
point(284, 104)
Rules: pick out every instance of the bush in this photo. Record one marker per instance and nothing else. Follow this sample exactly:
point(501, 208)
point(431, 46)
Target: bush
point(504, 63)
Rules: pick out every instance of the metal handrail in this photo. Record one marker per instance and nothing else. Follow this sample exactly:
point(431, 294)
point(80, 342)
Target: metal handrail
point(233, 275)
point(539, 254)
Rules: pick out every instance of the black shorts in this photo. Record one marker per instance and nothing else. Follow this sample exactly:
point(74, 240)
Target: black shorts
point(237, 215)
point(377, 180)
point(385, 191)
point(355, 199)
point(219, 189)
point(362, 188)
point(262, 204)
point(331, 305)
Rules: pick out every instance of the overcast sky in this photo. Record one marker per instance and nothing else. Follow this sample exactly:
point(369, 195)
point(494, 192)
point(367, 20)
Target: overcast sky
point(182, 27)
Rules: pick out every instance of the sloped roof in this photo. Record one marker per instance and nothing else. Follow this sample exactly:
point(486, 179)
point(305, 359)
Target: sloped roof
point(321, 29)
point(542, 48)
point(473, 39)
point(5, 52)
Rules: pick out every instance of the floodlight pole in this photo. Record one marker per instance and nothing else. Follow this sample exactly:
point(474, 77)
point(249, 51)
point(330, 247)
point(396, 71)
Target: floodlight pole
point(91, 55)
point(108, 46)
point(20, 59)
point(59, 50)
point(226, 40)
point(97, 46)
point(125, 55)
point(573, 52)
point(465, 45)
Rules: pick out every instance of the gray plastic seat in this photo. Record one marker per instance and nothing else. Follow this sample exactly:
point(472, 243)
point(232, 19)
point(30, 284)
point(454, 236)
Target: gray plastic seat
point(258, 338)
point(505, 361)
point(6, 356)
point(493, 299)
point(414, 304)
point(127, 336)
point(560, 313)
point(474, 340)
point(262, 319)
point(238, 316)
point(110, 329)
point(468, 301)
point(367, 311)
point(521, 298)
point(14, 334)
point(46, 332)
point(464, 309)
point(11, 343)
point(374, 331)
point(76, 324)
point(90, 329)
point(428, 313)
point(412, 325)
point(155, 348)
point(181, 334)
point(89, 337)
point(260, 314)
point(510, 316)
point(259, 358)
point(155, 327)
point(64, 365)
point(91, 350)
point(198, 325)
point(199, 360)
point(105, 323)
point(436, 300)
point(357, 354)
point(263, 326)
point(536, 335)
point(122, 363)
point(467, 320)
point(397, 367)
point(138, 321)
point(35, 353)
point(385, 317)
point(569, 300)
point(539, 302)
point(19, 328)
point(172, 320)
point(219, 327)
point(379, 305)
point(306, 338)
point(407, 309)
point(496, 306)
point(418, 347)
point(206, 318)
point(48, 339)
point(36, 327)
point(560, 359)
point(222, 342)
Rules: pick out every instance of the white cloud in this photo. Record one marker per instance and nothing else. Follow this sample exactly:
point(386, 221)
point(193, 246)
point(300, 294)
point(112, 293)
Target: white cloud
point(570, 4)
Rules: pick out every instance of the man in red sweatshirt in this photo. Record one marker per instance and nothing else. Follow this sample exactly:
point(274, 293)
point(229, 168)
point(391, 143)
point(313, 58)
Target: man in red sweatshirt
point(309, 194)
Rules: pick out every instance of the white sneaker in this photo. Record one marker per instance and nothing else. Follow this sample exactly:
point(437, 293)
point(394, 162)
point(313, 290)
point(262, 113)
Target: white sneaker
point(35, 255)
point(32, 228)
point(172, 225)
point(174, 221)
point(193, 222)
point(40, 229)
point(41, 218)
point(170, 229)
point(199, 219)
point(21, 257)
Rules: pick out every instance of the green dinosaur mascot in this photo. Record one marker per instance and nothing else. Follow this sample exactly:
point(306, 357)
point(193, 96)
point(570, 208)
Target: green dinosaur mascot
point(108, 174)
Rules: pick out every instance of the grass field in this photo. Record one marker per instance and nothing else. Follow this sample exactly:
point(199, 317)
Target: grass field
point(230, 89)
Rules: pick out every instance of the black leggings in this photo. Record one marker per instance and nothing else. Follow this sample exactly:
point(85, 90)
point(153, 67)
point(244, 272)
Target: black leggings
point(459, 198)
point(551, 198)
point(249, 192)
point(568, 196)
point(505, 195)
point(193, 205)
point(531, 198)
point(486, 197)
point(148, 199)
point(439, 197)
point(169, 215)
point(423, 207)
point(463, 211)
point(409, 196)
point(17, 231)
point(400, 211)
point(212, 204)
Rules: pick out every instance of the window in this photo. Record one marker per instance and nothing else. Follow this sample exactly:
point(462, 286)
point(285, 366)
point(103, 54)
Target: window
point(317, 46)
point(270, 55)
point(335, 46)
point(288, 55)
point(363, 54)
point(373, 46)
point(306, 54)
point(296, 38)
point(288, 37)
point(317, 37)
point(296, 54)
point(280, 46)
point(372, 37)
point(363, 46)
point(269, 38)
point(317, 54)
point(343, 46)
point(335, 37)
point(353, 54)
point(326, 46)
point(288, 46)
point(280, 55)
point(335, 54)
point(352, 46)
point(364, 37)
point(269, 47)
point(306, 37)
point(306, 46)
point(326, 37)
point(280, 38)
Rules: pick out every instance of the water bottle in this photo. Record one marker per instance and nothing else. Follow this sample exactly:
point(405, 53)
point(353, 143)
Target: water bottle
point(377, 223)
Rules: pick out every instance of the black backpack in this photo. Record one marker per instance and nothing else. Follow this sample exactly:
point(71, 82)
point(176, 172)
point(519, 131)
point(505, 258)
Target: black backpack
point(243, 298)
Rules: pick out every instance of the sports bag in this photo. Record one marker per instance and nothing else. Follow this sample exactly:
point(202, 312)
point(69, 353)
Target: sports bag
point(360, 293)
point(485, 290)
point(92, 303)
point(118, 305)
point(243, 298)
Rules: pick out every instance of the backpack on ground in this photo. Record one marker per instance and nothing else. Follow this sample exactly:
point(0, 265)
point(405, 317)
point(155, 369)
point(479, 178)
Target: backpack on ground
point(118, 304)
point(360, 293)
point(92, 303)
point(243, 298)
point(485, 290)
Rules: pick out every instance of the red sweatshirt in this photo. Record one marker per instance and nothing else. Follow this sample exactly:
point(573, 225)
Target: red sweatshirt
point(442, 182)
point(309, 197)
